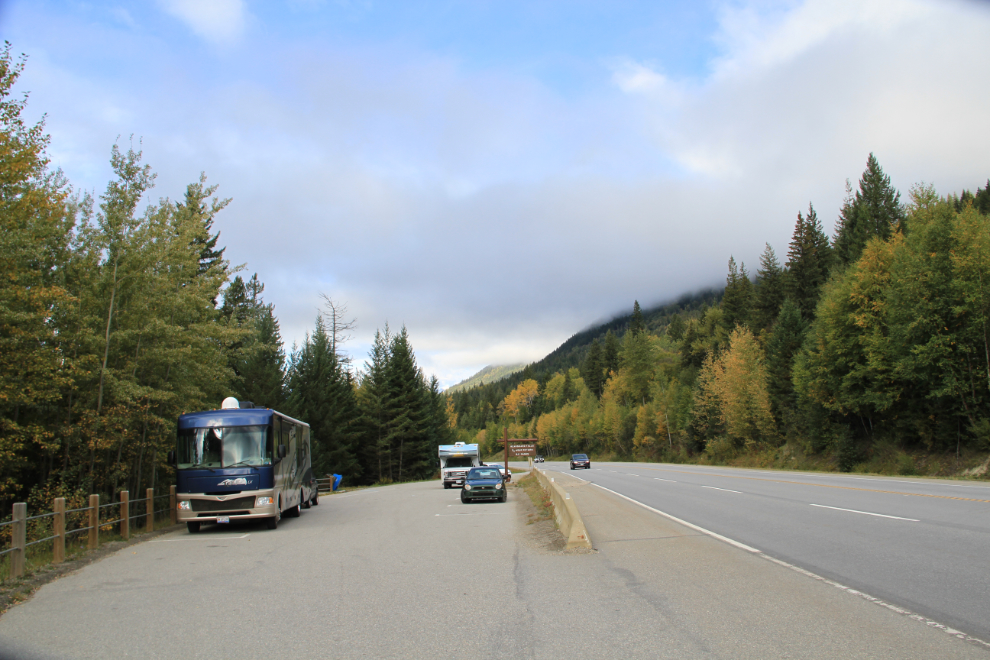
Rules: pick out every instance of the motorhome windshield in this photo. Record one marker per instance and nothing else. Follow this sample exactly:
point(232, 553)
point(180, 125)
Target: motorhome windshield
point(224, 446)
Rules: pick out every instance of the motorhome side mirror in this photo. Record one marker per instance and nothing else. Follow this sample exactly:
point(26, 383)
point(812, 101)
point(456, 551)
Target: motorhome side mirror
point(171, 457)
point(281, 451)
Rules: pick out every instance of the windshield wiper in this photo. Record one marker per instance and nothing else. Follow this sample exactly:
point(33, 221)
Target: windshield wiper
point(201, 465)
point(241, 464)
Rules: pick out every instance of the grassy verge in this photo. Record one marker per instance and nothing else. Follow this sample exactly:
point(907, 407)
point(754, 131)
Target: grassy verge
point(539, 498)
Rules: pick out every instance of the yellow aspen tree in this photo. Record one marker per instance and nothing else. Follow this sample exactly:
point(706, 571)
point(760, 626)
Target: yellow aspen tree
point(742, 390)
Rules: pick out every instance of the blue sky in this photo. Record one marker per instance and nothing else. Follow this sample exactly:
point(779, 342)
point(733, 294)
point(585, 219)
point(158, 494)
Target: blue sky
point(498, 175)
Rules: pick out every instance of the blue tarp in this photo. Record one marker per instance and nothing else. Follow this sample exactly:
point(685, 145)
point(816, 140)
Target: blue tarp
point(336, 481)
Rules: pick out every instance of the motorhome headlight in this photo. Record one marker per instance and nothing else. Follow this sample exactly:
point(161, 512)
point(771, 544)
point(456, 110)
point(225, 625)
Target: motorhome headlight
point(467, 486)
point(263, 501)
point(498, 486)
point(184, 505)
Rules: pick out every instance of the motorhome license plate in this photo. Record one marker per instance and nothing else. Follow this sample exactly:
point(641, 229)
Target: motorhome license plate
point(223, 519)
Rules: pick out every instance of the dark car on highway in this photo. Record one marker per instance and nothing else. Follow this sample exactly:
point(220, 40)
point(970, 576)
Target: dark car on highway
point(484, 483)
point(580, 461)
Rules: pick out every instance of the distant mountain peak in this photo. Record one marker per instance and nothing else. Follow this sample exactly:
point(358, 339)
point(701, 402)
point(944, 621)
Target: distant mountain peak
point(489, 374)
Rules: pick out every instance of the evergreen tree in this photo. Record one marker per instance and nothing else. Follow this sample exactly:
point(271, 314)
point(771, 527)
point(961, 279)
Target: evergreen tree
point(372, 397)
point(637, 323)
point(199, 206)
point(770, 291)
point(263, 370)
point(637, 362)
point(874, 211)
point(406, 427)
point(236, 307)
point(568, 391)
point(737, 301)
point(322, 396)
point(439, 426)
point(782, 345)
point(981, 201)
point(610, 354)
point(809, 259)
point(592, 369)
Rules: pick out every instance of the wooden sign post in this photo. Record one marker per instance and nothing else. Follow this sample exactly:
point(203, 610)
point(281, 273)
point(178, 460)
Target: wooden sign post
point(505, 440)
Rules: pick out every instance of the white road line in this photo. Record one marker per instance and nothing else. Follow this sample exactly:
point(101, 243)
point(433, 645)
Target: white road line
point(855, 592)
point(724, 539)
point(632, 475)
point(670, 480)
point(480, 513)
point(725, 489)
point(865, 513)
point(203, 538)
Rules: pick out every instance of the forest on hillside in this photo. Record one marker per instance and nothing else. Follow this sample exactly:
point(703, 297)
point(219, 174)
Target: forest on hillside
point(867, 350)
point(119, 313)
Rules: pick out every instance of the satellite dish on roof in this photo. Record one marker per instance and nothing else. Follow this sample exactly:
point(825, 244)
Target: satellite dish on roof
point(230, 402)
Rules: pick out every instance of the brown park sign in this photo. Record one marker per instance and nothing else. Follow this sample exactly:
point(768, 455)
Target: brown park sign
point(522, 448)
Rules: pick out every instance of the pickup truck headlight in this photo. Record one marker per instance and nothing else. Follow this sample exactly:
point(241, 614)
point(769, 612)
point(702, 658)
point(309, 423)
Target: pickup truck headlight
point(467, 486)
point(184, 505)
point(263, 501)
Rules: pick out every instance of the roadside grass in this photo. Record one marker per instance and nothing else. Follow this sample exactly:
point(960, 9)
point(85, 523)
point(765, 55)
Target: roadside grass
point(539, 498)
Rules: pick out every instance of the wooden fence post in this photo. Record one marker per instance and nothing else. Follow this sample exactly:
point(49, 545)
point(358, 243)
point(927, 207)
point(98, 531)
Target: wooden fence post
point(172, 504)
point(94, 522)
point(125, 514)
point(150, 493)
point(58, 524)
point(19, 516)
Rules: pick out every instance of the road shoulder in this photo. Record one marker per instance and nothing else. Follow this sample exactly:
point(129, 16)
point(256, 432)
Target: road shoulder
point(742, 604)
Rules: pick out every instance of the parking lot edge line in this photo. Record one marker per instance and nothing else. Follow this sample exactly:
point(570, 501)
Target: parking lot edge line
point(707, 532)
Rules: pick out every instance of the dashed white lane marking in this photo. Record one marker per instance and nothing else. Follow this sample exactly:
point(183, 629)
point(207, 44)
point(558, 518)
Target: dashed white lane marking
point(208, 537)
point(724, 489)
point(670, 480)
point(855, 592)
point(865, 513)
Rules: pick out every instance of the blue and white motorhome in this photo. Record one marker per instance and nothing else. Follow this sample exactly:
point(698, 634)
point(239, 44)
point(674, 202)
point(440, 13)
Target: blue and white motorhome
point(455, 462)
point(239, 463)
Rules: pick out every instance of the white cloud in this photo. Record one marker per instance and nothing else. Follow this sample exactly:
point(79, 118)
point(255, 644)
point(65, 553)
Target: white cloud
point(218, 21)
point(495, 218)
point(632, 77)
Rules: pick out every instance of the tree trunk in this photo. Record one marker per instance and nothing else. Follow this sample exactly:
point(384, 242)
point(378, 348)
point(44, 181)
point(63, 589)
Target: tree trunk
point(106, 347)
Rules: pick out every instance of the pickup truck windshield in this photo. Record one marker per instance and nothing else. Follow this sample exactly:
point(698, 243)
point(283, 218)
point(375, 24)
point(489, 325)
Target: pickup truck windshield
point(224, 446)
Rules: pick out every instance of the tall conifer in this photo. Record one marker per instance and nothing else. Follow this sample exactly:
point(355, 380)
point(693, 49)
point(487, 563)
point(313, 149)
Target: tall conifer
point(809, 259)
point(875, 211)
point(737, 301)
point(770, 290)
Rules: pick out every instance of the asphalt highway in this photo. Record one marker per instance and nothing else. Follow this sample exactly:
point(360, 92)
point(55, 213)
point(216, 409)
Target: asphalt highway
point(408, 571)
point(920, 544)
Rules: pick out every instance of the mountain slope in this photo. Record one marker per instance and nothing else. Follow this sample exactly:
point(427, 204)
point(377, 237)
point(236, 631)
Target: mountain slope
point(487, 375)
